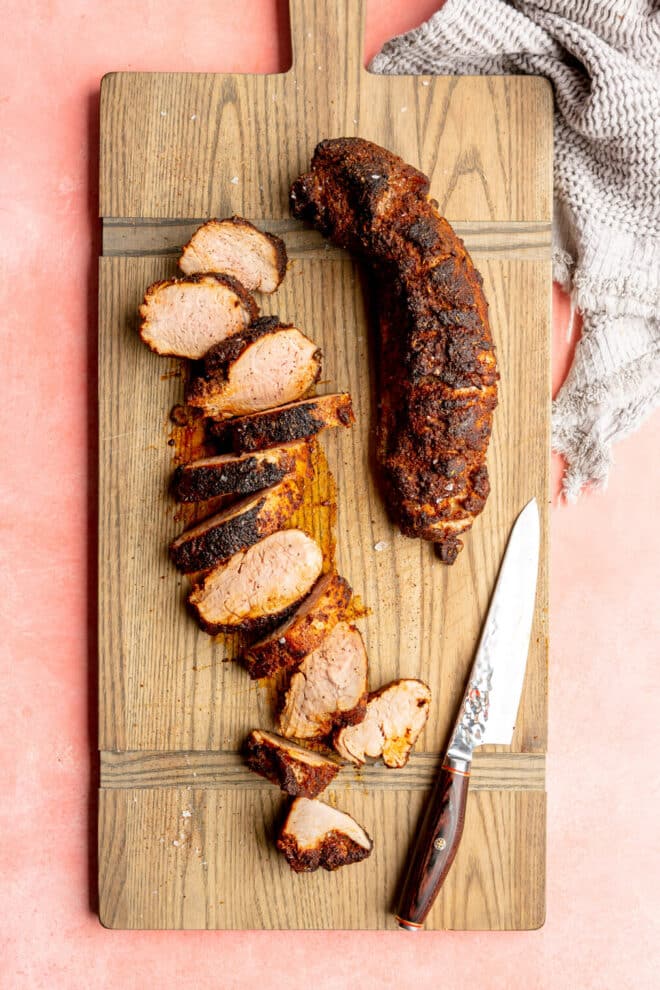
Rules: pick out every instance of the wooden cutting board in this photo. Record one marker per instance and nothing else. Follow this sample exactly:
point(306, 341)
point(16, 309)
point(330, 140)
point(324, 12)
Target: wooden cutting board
point(185, 831)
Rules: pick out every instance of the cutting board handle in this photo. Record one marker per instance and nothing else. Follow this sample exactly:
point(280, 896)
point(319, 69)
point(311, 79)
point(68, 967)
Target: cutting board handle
point(327, 38)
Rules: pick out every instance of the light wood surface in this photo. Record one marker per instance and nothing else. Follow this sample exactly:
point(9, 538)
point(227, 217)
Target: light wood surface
point(171, 704)
point(171, 143)
point(203, 858)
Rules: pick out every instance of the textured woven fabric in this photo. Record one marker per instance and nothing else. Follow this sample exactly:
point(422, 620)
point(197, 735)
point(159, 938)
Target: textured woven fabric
point(603, 60)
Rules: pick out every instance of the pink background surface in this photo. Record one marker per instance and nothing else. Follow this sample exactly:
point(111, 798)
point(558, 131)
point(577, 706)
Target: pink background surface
point(603, 901)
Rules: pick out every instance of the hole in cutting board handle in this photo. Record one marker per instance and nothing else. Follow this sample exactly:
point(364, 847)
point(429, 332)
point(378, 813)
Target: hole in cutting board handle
point(283, 35)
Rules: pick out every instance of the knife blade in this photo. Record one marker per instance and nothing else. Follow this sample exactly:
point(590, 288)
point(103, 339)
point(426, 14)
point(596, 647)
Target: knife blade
point(487, 714)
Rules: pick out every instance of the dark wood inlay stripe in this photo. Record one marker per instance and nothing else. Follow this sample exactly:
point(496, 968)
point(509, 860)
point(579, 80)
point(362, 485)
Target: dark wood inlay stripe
point(138, 237)
point(490, 771)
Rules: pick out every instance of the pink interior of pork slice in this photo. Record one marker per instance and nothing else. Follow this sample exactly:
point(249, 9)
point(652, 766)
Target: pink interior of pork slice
point(275, 369)
point(328, 688)
point(237, 247)
point(395, 716)
point(185, 317)
point(260, 582)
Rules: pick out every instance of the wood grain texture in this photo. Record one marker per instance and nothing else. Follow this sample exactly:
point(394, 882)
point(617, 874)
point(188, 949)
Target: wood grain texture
point(173, 709)
point(164, 683)
point(500, 771)
point(171, 143)
point(205, 858)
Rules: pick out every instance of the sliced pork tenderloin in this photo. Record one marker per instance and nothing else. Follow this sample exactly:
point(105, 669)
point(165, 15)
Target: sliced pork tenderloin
point(294, 421)
point(240, 526)
point(229, 474)
point(256, 589)
point(315, 835)
point(268, 364)
point(237, 247)
point(396, 714)
point(309, 625)
point(329, 688)
point(184, 317)
point(296, 770)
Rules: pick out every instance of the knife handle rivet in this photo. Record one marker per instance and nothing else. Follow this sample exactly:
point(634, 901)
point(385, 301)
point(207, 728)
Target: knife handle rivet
point(440, 844)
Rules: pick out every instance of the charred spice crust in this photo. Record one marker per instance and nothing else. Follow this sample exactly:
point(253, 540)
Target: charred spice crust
point(279, 764)
point(334, 851)
point(438, 372)
point(297, 421)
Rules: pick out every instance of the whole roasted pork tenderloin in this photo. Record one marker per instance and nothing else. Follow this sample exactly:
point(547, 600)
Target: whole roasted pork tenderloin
point(438, 374)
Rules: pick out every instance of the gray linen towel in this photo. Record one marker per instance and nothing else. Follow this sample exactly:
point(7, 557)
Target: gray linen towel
point(603, 59)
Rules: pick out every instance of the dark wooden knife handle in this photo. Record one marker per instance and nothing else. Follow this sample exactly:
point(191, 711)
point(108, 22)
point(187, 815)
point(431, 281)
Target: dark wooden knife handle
point(436, 845)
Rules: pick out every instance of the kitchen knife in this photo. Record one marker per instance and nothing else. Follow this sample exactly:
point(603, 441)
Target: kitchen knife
point(487, 715)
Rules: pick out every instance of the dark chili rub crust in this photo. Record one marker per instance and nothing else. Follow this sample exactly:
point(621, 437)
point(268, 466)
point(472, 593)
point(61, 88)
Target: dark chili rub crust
point(324, 607)
point(336, 850)
point(295, 421)
point(217, 542)
point(208, 478)
point(241, 525)
point(241, 478)
point(244, 524)
point(295, 770)
point(438, 375)
point(317, 835)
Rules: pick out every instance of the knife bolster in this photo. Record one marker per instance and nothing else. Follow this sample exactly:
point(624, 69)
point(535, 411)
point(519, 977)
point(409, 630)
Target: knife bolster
point(458, 764)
